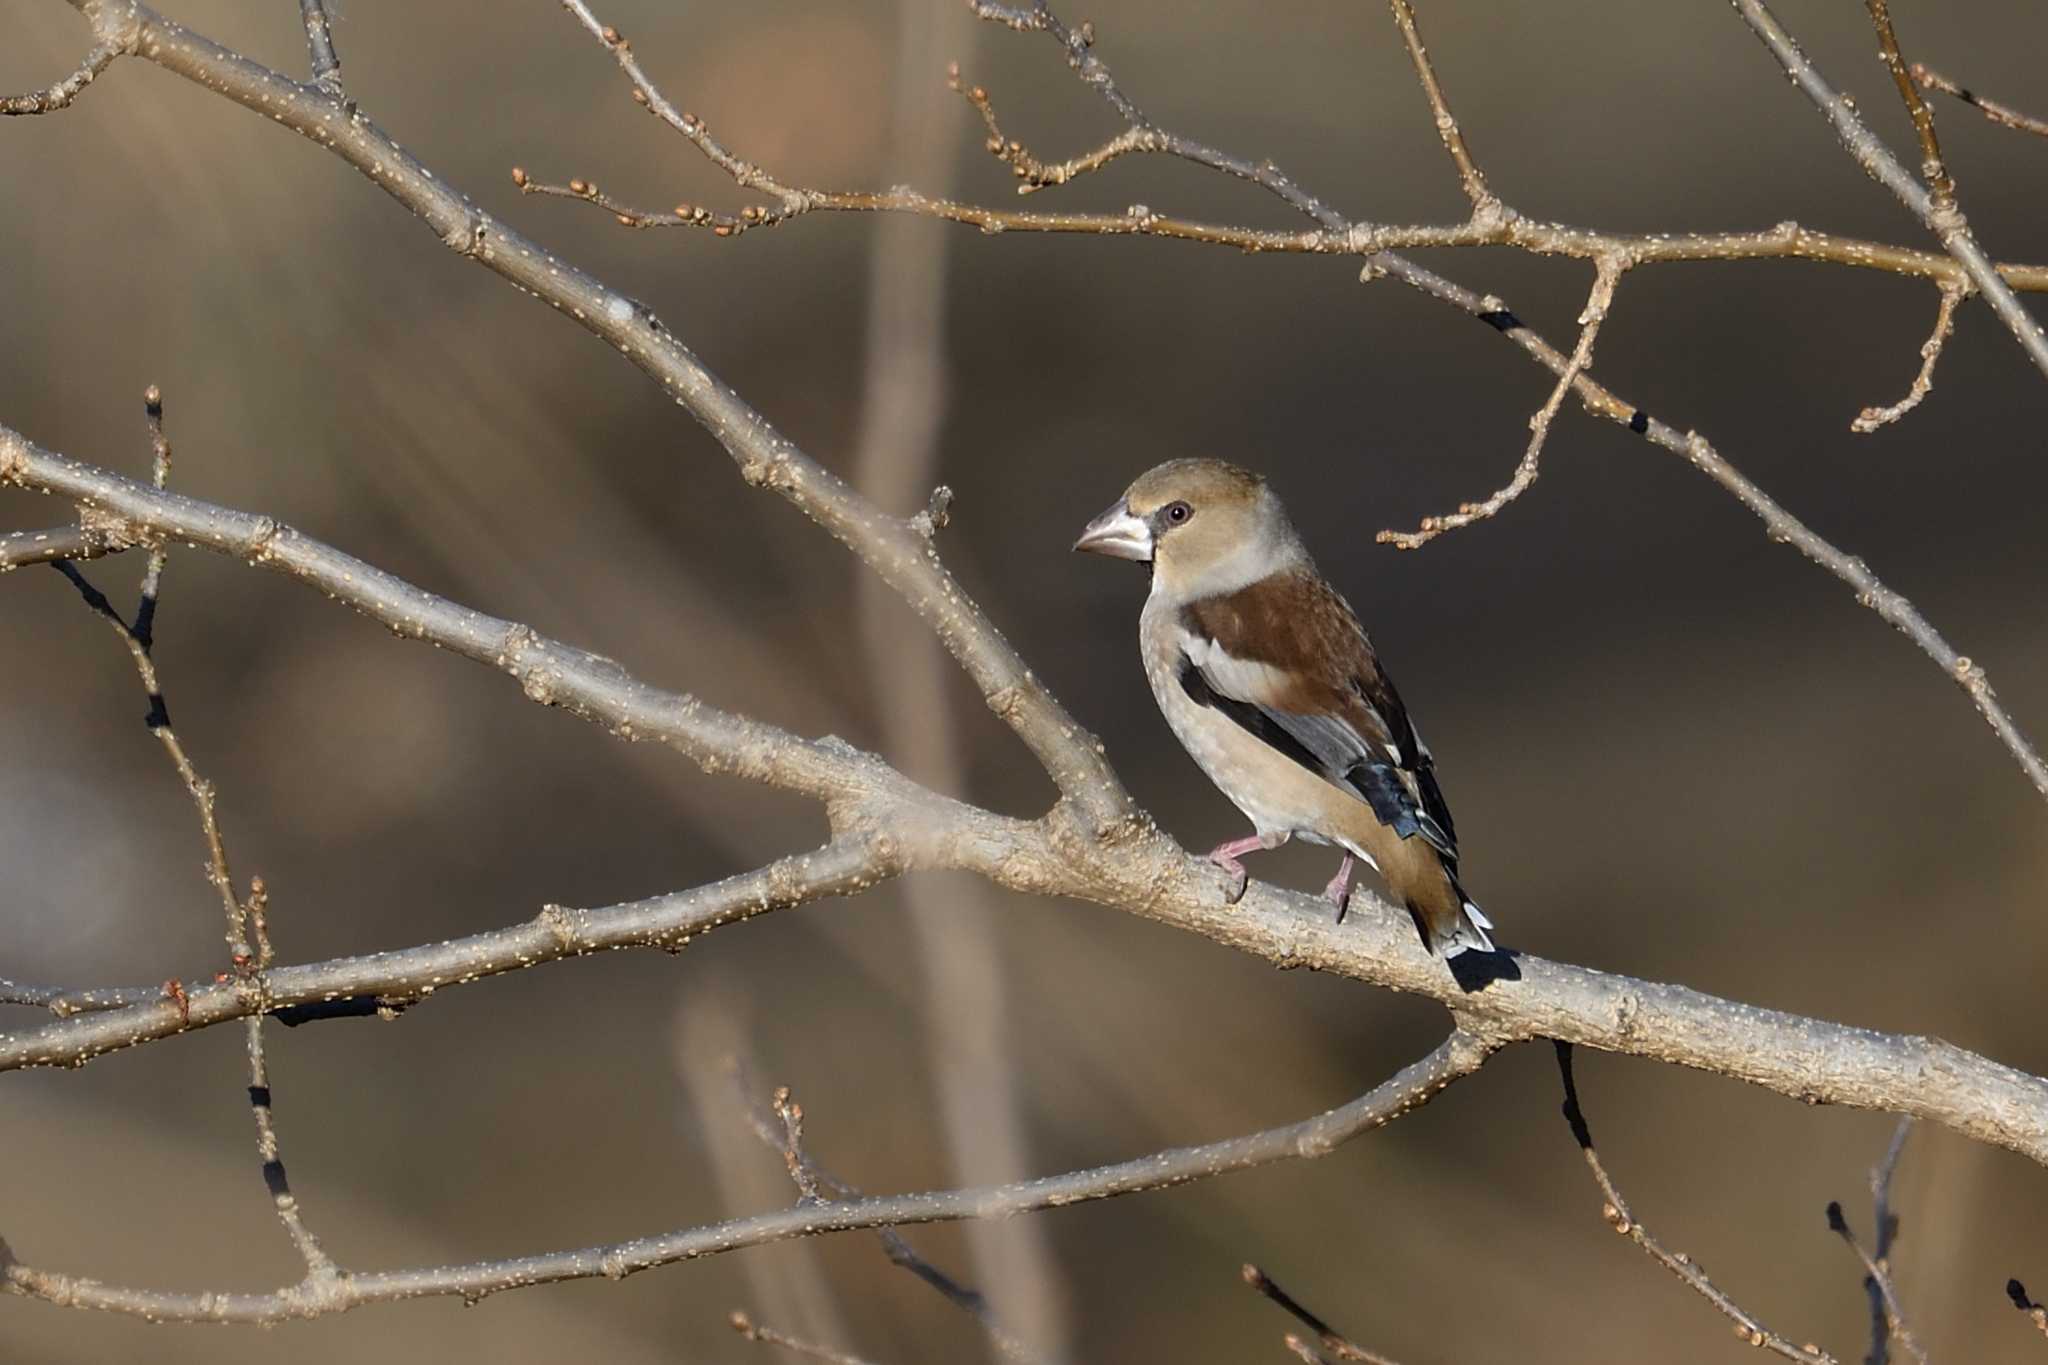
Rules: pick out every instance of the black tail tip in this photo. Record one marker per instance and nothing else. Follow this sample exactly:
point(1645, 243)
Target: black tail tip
point(1476, 971)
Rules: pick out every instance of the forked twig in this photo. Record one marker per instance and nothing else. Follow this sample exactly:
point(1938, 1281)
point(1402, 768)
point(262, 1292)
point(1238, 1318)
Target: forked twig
point(1607, 275)
point(248, 934)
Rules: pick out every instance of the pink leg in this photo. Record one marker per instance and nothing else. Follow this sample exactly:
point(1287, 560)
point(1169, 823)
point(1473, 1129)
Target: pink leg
point(1338, 892)
point(1225, 857)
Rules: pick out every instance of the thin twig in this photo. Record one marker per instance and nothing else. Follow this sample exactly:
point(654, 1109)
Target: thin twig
point(1484, 204)
point(1870, 419)
point(248, 962)
point(64, 91)
point(1607, 275)
point(1881, 1322)
point(1933, 167)
point(2036, 1313)
point(1888, 1316)
point(1997, 113)
point(1328, 1337)
point(1619, 1217)
point(64, 1001)
point(780, 1125)
point(768, 1336)
point(1459, 1055)
point(1942, 219)
point(320, 51)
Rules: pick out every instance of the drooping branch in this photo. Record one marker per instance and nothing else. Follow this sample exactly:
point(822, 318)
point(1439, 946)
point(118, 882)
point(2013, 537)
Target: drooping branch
point(1457, 1056)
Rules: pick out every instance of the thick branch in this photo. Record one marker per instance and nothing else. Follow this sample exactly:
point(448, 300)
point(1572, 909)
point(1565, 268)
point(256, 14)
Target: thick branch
point(1142, 871)
point(1457, 1056)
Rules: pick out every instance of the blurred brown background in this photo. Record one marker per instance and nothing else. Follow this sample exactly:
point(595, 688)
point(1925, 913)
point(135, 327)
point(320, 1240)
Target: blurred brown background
point(1675, 750)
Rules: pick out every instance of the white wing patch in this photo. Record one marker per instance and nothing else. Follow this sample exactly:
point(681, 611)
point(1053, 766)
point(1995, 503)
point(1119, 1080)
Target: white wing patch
point(1245, 679)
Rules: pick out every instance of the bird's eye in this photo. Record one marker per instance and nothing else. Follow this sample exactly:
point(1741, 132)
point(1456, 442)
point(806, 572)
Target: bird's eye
point(1178, 512)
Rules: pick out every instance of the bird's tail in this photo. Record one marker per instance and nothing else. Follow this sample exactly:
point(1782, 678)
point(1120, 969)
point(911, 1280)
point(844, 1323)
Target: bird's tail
point(1450, 923)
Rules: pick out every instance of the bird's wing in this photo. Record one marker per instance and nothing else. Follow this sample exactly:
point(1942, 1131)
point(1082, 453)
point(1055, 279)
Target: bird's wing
point(1286, 659)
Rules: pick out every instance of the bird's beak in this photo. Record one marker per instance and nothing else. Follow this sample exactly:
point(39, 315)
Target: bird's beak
point(1118, 534)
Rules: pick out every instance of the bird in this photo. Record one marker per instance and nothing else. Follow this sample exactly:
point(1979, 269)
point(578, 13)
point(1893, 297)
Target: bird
point(1267, 679)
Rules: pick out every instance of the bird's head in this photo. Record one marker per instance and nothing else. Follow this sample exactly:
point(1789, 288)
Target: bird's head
point(1205, 526)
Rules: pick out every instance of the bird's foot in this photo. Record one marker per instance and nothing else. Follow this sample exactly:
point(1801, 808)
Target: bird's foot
point(1239, 878)
point(1225, 856)
point(1338, 892)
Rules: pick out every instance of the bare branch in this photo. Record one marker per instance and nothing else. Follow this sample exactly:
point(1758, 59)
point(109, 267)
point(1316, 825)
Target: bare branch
point(781, 1127)
point(1870, 419)
point(1608, 275)
point(320, 45)
point(1887, 1316)
point(242, 916)
point(1336, 235)
point(1484, 204)
point(64, 1001)
point(768, 1336)
point(1933, 168)
point(1997, 113)
point(1457, 1056)
point(21, 548)
point(1130, 866)
point(1328, 1337)
point(1941, 217)
point(765, 457)
point(63, 92)
point(1678, 1263)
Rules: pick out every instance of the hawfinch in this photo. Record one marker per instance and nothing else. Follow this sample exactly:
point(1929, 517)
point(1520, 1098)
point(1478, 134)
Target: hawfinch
point(1270, 683)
